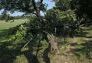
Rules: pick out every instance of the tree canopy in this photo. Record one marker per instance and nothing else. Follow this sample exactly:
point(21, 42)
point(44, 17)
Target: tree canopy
point(26, 6)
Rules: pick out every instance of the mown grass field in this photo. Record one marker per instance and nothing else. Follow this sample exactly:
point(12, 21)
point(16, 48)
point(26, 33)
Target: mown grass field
point(9, 24)
point(5, 26)
point(76, 50)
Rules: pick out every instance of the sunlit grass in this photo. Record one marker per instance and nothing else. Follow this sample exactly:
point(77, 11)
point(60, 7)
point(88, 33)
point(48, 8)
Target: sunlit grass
point(7, 25)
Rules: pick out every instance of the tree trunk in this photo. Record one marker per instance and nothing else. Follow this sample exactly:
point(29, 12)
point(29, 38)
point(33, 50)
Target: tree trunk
point(53, 43)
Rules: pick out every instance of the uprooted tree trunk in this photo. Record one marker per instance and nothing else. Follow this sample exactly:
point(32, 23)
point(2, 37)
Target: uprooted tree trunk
point(53, 43)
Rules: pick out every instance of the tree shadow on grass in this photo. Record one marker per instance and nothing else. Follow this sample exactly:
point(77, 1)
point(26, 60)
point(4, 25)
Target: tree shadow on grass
point(45, 55)
point(81, 34)
point(86, 50)
point(7, 55)
point(31, 57)
point(7, 52)
point(84, 32)
point(11, 31)
point(4, 34)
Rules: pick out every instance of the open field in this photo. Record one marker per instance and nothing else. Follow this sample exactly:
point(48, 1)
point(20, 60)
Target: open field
point(5, 26)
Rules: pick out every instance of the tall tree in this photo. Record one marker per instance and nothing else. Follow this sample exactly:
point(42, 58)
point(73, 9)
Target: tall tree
point(28, 7)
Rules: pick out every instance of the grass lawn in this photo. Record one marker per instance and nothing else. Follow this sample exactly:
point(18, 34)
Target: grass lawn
point(7, 25)
point(4, 26)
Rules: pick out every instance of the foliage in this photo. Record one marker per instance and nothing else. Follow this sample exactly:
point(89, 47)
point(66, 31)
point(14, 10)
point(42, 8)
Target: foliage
point(63, 4)
point(64, 21)
point(19, 5)
point(83, 7)
point(83, 10)
point(6, 17)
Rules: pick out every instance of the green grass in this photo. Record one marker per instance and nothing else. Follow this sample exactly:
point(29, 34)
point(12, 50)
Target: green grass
point(9, 51)
point(7, 25)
